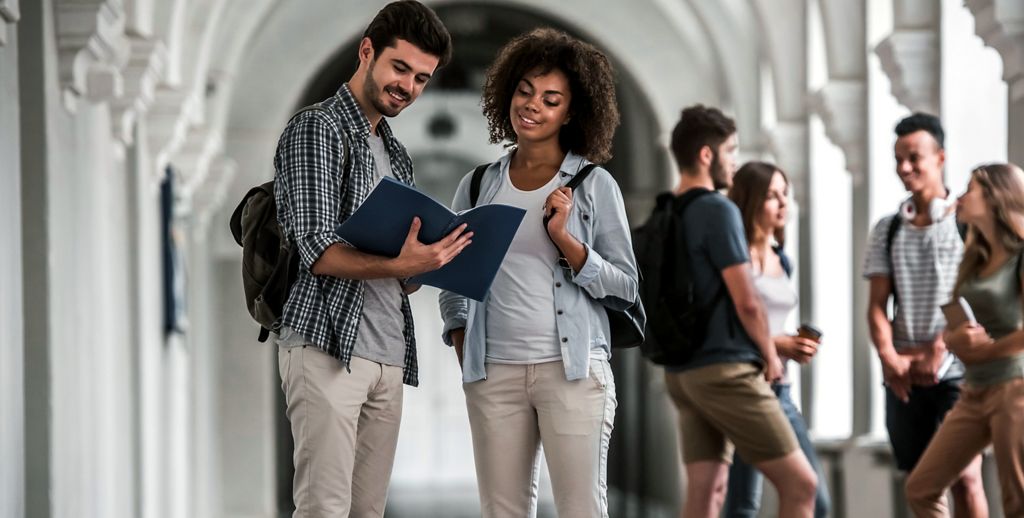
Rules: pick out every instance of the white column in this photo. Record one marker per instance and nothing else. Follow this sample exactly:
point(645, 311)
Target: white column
point(1000, 23)
point(38, 427)
point(842, 105)
point(12, 395)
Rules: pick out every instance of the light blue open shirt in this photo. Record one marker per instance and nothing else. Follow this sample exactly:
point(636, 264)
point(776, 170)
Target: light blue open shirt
point(608, 277)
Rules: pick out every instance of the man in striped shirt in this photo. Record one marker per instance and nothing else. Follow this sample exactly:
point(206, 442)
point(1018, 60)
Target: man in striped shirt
point(913, 256)
point(347, 344)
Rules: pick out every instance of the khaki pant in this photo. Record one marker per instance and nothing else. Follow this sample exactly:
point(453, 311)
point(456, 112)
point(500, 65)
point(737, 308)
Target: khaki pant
point(729, 404)
point(345, 426)
point(517, 409)
point(983, 415)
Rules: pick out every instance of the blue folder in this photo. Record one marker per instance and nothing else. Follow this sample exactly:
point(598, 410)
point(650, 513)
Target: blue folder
point(381, 223)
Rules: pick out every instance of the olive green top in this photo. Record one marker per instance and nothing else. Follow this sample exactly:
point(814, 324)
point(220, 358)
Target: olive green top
point(996, 302)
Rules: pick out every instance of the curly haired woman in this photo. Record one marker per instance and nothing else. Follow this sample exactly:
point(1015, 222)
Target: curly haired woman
point(535, 352)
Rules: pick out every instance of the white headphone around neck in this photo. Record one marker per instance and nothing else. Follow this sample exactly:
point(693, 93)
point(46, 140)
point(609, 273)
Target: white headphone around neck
point(938, 208)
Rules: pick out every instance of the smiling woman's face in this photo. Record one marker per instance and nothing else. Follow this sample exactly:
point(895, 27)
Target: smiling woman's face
point(540, 105)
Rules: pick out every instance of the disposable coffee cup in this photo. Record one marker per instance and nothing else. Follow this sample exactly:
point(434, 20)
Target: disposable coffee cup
point(809, 332)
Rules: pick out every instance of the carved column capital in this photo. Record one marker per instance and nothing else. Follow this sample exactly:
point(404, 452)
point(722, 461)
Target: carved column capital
point(9, 15)
point(842, 106)
point(141, 75)
point(910, 57)
point(167, 122)
point(91, 48)
point(1000, 24)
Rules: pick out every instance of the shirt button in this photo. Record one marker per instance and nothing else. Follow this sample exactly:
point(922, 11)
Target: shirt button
point(565, 340)
point(558, 285)
point(560, 312)
point(586, 217)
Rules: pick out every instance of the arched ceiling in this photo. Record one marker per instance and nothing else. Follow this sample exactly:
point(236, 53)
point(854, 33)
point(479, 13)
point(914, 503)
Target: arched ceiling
point(242, 65)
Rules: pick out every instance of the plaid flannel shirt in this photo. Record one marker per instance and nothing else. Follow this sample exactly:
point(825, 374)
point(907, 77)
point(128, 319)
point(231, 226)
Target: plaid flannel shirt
point(317, 188)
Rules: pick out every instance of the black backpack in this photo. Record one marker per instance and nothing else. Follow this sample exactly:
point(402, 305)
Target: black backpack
point(626, 326)
point(678, 322)
point(270, 263)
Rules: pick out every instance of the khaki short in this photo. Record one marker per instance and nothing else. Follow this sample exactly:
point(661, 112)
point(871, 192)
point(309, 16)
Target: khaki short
point(725, 404)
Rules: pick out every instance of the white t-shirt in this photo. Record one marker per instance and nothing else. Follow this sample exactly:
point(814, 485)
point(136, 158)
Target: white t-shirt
point(521, 305)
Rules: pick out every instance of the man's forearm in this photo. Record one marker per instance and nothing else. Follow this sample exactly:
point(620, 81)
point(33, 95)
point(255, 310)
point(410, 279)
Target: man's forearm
point(881, 332)
point(345, 262)
point(755, 322)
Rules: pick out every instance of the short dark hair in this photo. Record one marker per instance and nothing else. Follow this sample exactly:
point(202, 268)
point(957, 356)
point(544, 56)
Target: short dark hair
point(593, 110)
point(922, 122)
point(414, 22)
point(699, 126)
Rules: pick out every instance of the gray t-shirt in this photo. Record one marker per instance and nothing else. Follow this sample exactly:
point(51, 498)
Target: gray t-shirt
point(715, 241)
point(380, 338)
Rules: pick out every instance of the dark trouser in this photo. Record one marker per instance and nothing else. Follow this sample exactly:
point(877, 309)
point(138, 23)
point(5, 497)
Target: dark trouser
point(912, 424)
point(745, 482)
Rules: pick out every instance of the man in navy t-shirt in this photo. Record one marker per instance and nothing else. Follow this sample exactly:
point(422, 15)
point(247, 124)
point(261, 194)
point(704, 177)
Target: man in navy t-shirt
point(723, 392)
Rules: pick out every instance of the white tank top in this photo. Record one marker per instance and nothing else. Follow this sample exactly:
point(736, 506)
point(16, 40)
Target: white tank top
point(780, 300)
point(521, 305)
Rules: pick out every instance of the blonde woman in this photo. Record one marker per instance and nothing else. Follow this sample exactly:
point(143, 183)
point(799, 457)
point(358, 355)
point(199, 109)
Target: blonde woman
point(991, 406)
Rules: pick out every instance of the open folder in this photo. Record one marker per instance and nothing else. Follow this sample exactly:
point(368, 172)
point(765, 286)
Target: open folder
point(381, 223)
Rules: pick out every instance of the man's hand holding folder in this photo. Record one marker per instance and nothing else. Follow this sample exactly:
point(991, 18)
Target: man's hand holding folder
point(460, 252)
point(416, 257)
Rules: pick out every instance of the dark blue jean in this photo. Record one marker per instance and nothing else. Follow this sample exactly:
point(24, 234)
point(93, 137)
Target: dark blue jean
point(745, 482)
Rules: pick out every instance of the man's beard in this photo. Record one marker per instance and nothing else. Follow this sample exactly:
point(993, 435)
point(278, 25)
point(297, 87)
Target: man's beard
point(719, 176)
point(373, 92)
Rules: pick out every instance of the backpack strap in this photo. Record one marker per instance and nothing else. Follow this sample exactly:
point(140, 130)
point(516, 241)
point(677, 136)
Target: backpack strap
point(688, 197)
point(890, 238)
point(581, 175)
point(787, 266)
point(474, 183)
point(1020, 268)
point(682, 203)
point(572, 184)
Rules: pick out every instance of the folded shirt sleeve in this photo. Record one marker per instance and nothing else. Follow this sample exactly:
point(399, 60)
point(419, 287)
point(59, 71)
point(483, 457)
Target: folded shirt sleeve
point(309, 164)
